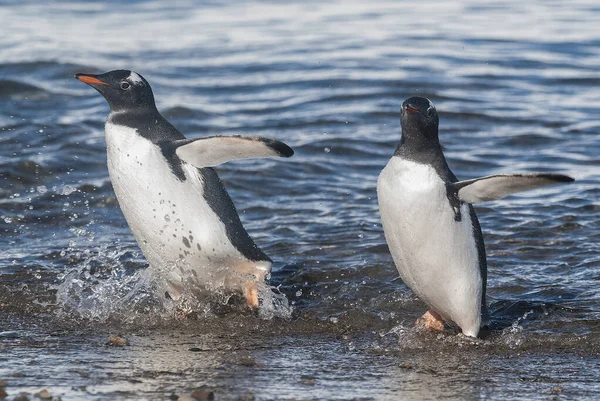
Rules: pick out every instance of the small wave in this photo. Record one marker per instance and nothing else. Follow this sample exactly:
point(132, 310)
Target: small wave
point(23, 172)
point(180, 112)
point(21, 90)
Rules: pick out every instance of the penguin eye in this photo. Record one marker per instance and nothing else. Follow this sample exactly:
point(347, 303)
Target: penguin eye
point(125, 85)
point(430, 112)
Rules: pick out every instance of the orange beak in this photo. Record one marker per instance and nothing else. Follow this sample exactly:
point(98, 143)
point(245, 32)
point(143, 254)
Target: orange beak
point(89, 79)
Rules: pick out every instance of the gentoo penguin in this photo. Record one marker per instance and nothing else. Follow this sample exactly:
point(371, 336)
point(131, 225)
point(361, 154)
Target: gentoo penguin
point(173, 200)
point(430, 226)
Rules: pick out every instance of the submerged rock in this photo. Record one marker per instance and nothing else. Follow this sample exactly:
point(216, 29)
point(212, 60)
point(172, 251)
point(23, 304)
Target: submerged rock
point(117, 341)
point(21, 397)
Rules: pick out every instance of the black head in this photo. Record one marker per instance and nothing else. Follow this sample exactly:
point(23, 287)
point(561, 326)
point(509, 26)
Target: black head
point(124, 90)
point(419, 119)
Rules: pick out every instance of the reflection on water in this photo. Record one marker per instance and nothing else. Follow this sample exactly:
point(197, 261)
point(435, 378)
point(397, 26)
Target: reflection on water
point(516, 88)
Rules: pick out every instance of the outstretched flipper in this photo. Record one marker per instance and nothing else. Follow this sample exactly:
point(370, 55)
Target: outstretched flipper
point(495, 187)
point(215, 150)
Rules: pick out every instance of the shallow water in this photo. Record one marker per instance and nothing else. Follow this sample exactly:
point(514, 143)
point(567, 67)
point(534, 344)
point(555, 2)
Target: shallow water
point(516, 88)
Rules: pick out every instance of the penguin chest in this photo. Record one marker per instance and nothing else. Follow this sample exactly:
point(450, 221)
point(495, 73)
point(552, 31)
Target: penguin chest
point(435, 254)
point(173, 224)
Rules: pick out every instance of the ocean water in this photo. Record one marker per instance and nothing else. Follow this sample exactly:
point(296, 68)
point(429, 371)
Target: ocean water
point(516, 87)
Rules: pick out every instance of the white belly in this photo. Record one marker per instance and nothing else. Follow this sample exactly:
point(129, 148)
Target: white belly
point(182, 238)
point(436, 256)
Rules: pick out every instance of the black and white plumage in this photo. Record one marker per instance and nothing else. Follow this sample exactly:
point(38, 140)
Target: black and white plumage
point(430, 226)
point(173, 200)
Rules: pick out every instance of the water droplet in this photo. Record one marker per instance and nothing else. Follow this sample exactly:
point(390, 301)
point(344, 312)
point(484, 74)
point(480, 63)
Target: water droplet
point(327, 150)
point(167, 218)
point(67, 190)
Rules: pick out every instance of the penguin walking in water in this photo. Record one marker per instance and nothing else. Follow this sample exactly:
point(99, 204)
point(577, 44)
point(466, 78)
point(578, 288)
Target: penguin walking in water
point(173, 200)
point(431, 227)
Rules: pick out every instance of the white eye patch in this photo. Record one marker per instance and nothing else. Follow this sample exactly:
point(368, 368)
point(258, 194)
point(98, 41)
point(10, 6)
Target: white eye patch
point(135, 79)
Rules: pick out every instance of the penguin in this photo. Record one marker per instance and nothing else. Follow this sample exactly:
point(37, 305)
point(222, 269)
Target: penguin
point(173, 200)
point(431, 227)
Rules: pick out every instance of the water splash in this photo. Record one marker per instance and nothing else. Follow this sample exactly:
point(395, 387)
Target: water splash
point(110, 286)
point(513, 336)
point(105, 286)
point(273, 303)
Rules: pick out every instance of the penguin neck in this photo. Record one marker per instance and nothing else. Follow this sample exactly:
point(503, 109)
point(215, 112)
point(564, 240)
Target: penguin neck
point(147, 121)
point(424, 150)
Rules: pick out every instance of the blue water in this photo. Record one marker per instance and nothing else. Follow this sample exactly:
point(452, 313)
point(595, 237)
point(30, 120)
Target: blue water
point(516, 87)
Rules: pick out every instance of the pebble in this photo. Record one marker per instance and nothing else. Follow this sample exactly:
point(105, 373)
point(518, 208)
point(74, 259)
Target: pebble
point(117, 341)
point(44, 395)
point(247, 360)
point(81, 373)
point(246, 397)
point(199, 394)
point(202, 395)
point(308, 380)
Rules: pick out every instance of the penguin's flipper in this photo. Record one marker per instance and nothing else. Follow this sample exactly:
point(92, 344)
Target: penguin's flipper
point(214, 150)
point(495, 187)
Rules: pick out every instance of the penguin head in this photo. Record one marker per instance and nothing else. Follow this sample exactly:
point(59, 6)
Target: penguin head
point(419, 118)
point(122, 89)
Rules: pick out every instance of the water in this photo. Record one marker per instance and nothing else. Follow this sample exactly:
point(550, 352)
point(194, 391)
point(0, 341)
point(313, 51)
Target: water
point(515, 84)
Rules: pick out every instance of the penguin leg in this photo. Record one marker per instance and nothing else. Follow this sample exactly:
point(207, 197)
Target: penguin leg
point(431, 320)
point(250, 291)
point(248, 277)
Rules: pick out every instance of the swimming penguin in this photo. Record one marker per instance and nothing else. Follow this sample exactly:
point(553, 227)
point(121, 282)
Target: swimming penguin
point(430, 226)
point(173, 200)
